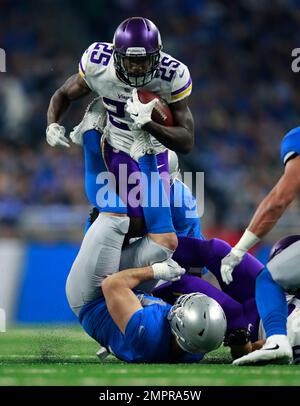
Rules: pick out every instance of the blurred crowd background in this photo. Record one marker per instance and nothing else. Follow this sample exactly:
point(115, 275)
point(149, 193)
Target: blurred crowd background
point(245, 97)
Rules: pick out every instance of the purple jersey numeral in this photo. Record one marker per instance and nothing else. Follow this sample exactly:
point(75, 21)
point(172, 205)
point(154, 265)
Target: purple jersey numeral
point(165, 65)
point(115, 110)
point(101, 54)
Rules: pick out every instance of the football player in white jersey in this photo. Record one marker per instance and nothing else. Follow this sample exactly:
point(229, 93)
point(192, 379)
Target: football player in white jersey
point(134, 59)
point(114, 71)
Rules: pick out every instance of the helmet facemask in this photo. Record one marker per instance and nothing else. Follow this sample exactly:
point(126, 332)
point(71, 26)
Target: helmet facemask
point(136, 68)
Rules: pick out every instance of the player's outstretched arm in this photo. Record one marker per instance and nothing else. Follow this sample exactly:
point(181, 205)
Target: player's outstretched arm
point(121, 302)
point(273, 206)
point(74, 88)
point(266, 216)
point(180, 137)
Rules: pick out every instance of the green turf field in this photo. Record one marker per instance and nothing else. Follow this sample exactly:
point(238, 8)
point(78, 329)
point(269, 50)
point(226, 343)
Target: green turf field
point(66, 356)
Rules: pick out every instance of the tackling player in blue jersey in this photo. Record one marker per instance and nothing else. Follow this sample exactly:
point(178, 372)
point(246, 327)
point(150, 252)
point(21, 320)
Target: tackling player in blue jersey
point(282, 272)
point(137, 327)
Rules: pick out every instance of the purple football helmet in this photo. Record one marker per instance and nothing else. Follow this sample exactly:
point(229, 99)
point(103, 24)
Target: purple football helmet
point(283, 244)
point(137, 46)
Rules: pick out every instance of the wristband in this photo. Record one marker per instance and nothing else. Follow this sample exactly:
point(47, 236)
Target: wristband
point(247, 241)
point(159, 270)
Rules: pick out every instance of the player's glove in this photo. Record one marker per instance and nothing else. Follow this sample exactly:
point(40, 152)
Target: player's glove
point(229, 262)
point(235, 256)
point(139, 112)
point(168, 270)
point(55, 135)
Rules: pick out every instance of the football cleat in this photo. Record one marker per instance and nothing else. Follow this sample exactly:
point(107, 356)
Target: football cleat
point(276, 350)
point(93, 119)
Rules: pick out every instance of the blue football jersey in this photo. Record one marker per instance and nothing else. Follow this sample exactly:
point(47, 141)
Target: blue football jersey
point(181, 202)
point(147, 337)
point(290, 145)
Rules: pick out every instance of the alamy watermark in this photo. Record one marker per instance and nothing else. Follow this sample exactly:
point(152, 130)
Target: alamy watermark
point(136, 189)
point(2, 60)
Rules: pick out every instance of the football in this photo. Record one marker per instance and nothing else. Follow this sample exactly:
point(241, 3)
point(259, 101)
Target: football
point(161, 113)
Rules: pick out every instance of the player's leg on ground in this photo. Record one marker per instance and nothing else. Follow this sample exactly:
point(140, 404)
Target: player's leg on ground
point(169, 292)
point(273, 310)
point(281, 274)
point(194, 253)
point(271, 303)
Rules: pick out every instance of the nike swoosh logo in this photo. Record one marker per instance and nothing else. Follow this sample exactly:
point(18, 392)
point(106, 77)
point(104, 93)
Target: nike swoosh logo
point(181, 74)
point(159, 166)
point(273, 348)
point(134, 114)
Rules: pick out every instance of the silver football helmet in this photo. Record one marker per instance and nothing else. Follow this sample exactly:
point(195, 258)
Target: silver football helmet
point(198, 323)
point(173, 165)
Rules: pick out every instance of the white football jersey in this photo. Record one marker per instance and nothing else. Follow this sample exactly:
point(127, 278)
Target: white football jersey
point(293, 323)
point(173, 83)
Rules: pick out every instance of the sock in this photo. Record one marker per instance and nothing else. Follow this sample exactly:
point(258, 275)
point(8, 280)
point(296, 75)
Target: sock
point(94, 165)
point(158, 219)
point(271, 304)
